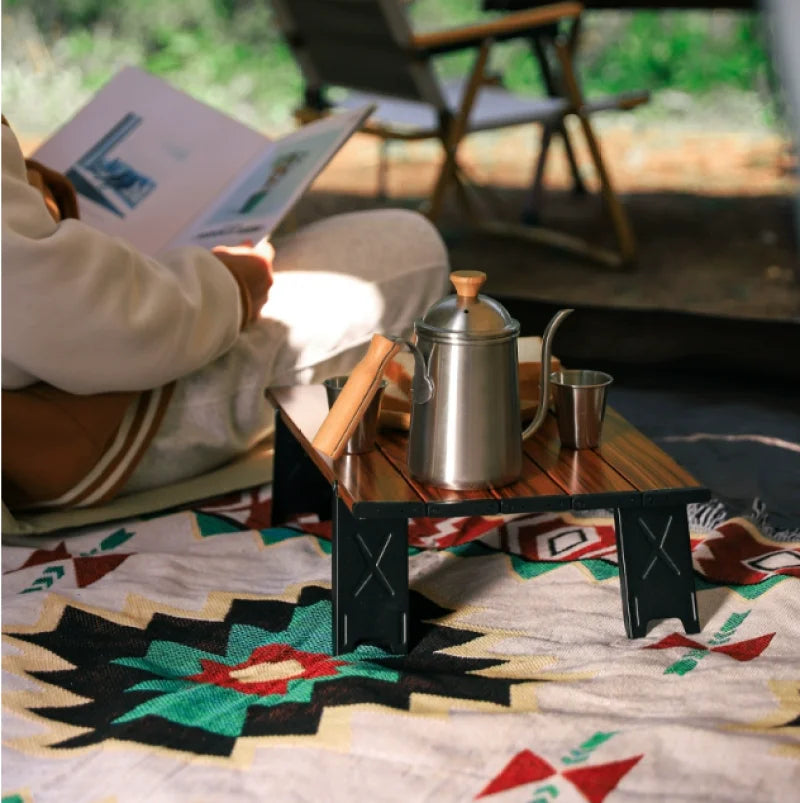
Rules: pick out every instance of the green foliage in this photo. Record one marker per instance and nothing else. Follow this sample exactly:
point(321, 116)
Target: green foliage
point(691, 51)
point(225, 52)
point(228, 53)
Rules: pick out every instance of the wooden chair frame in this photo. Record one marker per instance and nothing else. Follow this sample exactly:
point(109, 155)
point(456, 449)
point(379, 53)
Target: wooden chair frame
point(540, 27)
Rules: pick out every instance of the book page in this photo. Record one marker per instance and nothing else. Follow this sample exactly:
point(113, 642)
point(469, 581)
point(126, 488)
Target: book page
point(146, 158)
point(255, 203)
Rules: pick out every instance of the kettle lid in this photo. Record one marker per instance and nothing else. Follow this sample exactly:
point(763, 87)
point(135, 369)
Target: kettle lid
point(467, 313)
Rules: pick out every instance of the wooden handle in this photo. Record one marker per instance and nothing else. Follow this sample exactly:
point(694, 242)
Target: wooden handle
point(354, 398)
point(467, 282)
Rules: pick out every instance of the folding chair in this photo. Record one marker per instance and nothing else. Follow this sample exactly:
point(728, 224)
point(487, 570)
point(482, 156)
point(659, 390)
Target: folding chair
point(368, 48)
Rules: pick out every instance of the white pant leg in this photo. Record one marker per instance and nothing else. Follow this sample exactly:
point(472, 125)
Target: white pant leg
point(337, 282)
point(340, 280)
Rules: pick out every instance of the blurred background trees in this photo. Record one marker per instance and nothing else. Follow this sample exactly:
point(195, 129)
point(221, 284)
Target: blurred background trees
point(55, 53)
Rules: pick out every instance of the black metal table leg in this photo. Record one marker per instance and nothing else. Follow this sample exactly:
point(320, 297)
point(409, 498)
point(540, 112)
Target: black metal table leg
point(297, 484)
point(370, 581)
point(655, 567)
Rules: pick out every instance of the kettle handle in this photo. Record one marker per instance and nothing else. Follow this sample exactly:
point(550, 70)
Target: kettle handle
point(354, 398)
point(421, 384)
point(544, 380)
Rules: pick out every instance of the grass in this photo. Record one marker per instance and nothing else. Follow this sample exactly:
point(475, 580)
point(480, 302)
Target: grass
point(229, 54)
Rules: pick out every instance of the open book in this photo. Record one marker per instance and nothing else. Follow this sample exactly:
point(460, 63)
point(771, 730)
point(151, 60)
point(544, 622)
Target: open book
point(161, 169)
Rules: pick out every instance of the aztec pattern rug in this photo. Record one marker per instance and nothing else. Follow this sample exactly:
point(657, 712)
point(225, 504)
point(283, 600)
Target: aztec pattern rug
point(187, 657)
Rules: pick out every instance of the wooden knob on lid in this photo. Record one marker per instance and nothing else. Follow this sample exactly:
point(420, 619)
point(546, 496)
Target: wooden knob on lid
point(468, 282)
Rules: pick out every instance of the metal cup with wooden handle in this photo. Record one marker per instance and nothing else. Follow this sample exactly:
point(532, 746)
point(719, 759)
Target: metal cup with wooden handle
point(355, 397)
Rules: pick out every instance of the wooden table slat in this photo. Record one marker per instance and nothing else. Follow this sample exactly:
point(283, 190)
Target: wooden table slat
point(394, 445)
point(368, 478)
point(534, 491)
point(638, 459)
point(581, 471)
point(535, 479)
point(625, 469)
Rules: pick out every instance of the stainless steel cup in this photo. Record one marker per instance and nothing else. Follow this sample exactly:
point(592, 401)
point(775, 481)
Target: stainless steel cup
point(363, 437)
point(580, 399)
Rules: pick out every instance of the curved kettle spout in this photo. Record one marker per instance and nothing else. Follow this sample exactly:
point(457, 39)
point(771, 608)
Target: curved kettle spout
point(544, 380)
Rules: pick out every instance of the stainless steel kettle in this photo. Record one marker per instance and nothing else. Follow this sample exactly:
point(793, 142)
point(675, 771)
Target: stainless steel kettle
point(466, 431)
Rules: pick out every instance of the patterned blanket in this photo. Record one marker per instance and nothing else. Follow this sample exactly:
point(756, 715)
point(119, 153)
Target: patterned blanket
point(187, 656)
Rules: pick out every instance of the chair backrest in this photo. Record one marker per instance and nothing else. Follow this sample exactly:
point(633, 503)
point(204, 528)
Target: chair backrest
point(357, 44)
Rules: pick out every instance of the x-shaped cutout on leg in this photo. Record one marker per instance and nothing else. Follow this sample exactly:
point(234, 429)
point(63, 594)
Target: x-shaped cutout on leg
point(373, 565)
point(658, 548)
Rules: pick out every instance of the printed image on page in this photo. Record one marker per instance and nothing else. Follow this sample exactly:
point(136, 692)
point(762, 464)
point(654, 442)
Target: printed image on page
point(105, 178)
point(145, 159)
point(254, 206)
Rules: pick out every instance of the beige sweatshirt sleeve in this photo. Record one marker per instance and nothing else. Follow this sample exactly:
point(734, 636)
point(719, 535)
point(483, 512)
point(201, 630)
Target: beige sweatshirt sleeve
point(89, 313)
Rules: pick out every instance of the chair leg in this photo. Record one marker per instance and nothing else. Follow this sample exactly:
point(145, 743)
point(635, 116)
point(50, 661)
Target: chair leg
point(537, 43)
point(619, 219)
point(470, 188)
point(456, 130)
point(383, 170)
point(446, 176)
point(464, 191)
point(578, 186)
point(534, 202)
point(531, 210)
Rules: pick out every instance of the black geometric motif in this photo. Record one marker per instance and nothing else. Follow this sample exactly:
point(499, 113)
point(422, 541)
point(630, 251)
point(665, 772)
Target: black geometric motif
point(99, 650)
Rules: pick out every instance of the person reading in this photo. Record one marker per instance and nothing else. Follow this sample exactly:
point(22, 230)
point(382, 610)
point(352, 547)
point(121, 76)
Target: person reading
point(122, 372)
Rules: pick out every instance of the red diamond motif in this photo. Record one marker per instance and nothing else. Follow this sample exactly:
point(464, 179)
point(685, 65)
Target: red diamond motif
point(525, 767)
point(597, 781)
point(746, 650)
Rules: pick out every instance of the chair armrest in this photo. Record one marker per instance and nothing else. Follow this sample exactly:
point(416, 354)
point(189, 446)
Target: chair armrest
point(508, 26)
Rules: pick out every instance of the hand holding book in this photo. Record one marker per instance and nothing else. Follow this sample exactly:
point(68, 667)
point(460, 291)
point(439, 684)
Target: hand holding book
point(251, 266)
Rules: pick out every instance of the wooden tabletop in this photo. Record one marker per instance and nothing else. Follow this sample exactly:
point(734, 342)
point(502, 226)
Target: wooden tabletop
point(626, 470)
